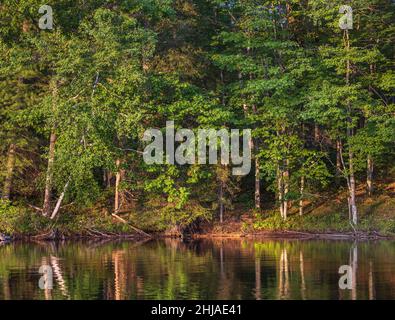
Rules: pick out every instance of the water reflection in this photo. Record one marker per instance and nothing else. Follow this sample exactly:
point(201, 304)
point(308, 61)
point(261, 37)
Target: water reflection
point(216, 269)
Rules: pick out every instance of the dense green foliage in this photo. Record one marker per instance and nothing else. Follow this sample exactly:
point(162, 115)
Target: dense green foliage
point(76, 100)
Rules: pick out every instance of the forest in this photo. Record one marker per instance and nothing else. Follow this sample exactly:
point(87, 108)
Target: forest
point(81, 81)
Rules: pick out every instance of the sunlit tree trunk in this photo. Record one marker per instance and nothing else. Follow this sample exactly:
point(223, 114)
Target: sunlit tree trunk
point(257, 185)
point(119, 196)
point(49, 177)
point(286, 190)
point(51, 156)
point(59, 202)
point(302, 181)
point(257, 194)
point(351, 186)
point(10, 172)
point(369, 168)
point(353, 206)
point(280, 190)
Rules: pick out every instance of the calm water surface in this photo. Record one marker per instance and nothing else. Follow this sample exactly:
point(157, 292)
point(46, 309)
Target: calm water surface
point(204, 269)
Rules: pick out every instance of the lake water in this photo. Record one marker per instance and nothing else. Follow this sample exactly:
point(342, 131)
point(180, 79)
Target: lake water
point(201, 269)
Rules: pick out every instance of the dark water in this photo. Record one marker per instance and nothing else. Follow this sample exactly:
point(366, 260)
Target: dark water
point(218, 269)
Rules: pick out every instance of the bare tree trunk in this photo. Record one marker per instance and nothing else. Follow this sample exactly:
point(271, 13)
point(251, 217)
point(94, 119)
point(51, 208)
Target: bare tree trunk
point(117, 186)
point(369, 170)
point(369, 176)
point(59, 202)
point(280, 190)
point(353, 205)
point(10, 172)
point(257, 185)
point(257, 194)
point(302, 180)
point(49, 178)
point(352, 202)
point(286, 190)
point(109, 179)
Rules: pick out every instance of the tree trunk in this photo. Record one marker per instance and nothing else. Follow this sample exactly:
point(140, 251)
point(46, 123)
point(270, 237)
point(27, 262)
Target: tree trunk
point(338, 161)
point(49, 178)
point(221, 202)
point(353, 206)
point(369, 176)
point(257, 194)
point(257, 185)
point(352, 202)
point(280, 190)
point(59, 202)
point(118, 176)
point(286, 190)
point(302, 180)
point(10, 172)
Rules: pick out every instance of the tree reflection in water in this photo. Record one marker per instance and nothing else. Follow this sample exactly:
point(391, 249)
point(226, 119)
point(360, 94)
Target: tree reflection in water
point(201, 269)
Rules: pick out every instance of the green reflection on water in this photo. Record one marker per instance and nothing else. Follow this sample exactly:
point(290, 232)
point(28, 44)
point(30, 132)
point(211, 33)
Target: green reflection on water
point(205, 269)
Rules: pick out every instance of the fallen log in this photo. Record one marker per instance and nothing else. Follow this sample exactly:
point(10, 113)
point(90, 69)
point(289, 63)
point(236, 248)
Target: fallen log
point(134, 228)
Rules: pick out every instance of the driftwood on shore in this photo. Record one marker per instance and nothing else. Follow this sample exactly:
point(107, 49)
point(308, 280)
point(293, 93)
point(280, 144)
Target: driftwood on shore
point(91, 233)
point(134, 228)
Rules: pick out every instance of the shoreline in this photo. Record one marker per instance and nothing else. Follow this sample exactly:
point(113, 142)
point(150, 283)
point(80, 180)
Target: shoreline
point(297, 235)
point(259, 235)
